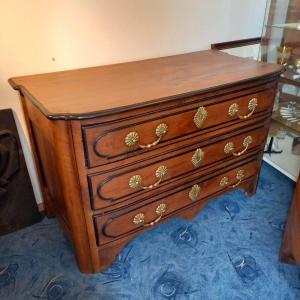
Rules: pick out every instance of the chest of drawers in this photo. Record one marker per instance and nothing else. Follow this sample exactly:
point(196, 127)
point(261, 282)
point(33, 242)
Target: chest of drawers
point(121, 148)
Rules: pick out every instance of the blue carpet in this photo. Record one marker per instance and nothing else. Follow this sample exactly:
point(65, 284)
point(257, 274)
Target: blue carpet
point(229, 251)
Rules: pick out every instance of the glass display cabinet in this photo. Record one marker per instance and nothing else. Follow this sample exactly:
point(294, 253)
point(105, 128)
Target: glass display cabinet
point(280, 44)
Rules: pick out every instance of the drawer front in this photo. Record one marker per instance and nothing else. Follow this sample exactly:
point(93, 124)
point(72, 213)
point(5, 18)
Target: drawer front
point(118, 224)
point(109, 142)
point(146, 178)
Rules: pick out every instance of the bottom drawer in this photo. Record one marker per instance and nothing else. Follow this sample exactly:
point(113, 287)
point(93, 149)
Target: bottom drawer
point(118, 224)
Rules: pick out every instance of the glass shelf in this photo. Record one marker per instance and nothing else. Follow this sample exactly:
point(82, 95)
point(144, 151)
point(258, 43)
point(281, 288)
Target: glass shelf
point(281, 45)
point(285, 115)
point(293, 26)
point(277, 117)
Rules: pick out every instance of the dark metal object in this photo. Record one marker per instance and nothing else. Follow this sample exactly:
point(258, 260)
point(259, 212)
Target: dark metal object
point(270, 146)
point(18, 207)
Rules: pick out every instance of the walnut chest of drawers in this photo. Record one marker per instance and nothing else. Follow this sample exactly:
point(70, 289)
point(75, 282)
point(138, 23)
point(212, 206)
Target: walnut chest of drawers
point(124, 147)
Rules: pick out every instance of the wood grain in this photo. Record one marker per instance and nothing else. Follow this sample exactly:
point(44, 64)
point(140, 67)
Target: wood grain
point(110, 88)
point(59, 179)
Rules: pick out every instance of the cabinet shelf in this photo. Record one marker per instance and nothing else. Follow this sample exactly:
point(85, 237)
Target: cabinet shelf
point(289, 80)
point(284, 101)
point(288, 97)
point(291, 26)
point(276, 117)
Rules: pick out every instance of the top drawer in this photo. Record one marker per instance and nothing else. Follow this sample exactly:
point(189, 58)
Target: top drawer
point(112, 141)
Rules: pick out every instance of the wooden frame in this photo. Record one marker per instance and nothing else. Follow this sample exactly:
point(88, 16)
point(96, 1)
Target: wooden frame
point(236, 43)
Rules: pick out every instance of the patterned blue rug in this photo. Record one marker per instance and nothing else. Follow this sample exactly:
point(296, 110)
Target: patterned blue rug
point(229, 251)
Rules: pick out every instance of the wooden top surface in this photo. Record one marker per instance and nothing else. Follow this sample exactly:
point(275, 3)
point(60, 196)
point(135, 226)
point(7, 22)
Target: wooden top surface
point(99, 90)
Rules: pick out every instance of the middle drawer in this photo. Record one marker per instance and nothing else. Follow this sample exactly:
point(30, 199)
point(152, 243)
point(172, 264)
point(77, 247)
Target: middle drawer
point(114, 187)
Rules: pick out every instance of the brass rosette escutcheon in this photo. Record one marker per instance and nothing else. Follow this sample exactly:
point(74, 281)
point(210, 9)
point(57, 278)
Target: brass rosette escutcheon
point(197, 157)
point(200, 116)
point(136, 180)
point(161, 130)
point(224, 181)
point(247, 141)
point(229, 147)
point(234, 109)
point(132, 138)
point(240, 174)
point(161, 209)
point(253, 103)
point(139, 219)
point(161, 172)
point(195, 192)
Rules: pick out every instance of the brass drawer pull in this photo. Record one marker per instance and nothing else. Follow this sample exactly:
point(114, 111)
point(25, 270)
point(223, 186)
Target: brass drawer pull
point(194, 192)
point(200, 116)
point(234, 109)
point(239, 176)
point(136, 180)
point(197, 157)
point(132, 138)
point(229, 147)
point(140, 217)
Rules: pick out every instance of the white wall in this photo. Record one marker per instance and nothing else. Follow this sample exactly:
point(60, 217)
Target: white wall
point(49, 35)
